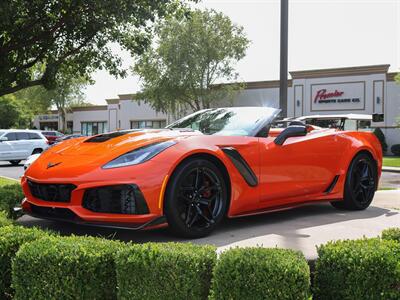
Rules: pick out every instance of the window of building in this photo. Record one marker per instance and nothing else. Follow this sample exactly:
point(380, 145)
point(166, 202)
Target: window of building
point(93, 128)
point(148, 124)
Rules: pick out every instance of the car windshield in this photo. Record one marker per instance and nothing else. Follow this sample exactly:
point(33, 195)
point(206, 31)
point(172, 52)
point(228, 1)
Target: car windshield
point(228, 121)
point(1, 133)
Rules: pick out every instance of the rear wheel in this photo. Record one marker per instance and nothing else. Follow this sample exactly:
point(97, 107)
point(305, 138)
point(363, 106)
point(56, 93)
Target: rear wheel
point(196, 199)
point(360, 185)
point(15, 162)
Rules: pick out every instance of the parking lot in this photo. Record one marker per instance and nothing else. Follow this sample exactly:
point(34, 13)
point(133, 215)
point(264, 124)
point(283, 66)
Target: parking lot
point(301, 228)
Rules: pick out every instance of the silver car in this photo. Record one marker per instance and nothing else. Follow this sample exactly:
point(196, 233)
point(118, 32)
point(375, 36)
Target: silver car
point(17, 144)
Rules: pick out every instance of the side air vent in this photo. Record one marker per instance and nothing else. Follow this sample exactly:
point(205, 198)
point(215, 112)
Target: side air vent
point(332, 185)
point(241, 165)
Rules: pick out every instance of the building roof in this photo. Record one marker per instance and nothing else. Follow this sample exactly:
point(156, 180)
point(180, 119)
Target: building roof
point(335, 72)
point(89, 108)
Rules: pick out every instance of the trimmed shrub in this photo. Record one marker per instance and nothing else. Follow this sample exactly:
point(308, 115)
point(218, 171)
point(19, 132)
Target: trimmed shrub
point(4, 221)
point(261, 273)
point(381, 137)
point(10, 197)
point(65, 268)
point(11, 238)
point(391, 234)
point(395, 149)
point(165, 271)
point(358, 269)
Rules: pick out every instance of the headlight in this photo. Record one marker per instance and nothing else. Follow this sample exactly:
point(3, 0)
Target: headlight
point(139, 155)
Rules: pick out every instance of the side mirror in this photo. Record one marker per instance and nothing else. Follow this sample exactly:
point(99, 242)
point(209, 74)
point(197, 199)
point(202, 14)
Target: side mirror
point(3, 139)
point(378, 117)
point(291, 131)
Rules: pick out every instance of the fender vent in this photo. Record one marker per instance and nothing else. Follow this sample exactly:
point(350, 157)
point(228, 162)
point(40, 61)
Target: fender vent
point(332, 185)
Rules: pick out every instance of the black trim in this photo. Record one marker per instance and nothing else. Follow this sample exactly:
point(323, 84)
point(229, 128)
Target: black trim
point(332, 185)
point(241, 165)
point(66, 215)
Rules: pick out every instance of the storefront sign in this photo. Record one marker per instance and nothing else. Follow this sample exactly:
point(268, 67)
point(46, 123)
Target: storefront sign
point(48, 118)
point(338, 96)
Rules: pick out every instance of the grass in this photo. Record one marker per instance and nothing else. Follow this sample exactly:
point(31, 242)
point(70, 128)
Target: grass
point(391, 161)
point(387, 189)
point(5, 181)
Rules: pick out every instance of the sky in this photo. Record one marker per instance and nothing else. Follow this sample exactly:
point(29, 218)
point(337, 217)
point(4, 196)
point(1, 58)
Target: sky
point(322, 34)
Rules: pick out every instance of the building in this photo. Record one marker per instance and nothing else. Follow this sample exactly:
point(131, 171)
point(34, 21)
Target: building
point(362, 90)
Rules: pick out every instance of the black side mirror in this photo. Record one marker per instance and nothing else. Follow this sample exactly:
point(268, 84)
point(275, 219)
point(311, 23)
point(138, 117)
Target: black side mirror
point(290, 131)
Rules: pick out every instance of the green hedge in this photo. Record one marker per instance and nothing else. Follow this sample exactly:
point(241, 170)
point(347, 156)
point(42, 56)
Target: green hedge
point(261, 273)
point(391, 234)
point(165, 271)
point(10, 197)
point(358, 269)
point(4, 221)
point(65, 268)
point(11, 238)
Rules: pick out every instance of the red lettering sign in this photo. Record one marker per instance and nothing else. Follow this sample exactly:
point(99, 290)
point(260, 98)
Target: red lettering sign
point(323, 95)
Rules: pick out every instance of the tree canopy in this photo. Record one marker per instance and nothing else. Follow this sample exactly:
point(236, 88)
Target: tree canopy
point(72, 35)
point(188, 57)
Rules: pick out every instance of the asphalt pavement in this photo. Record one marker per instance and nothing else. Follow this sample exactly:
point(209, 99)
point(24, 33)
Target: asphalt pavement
point(301, 228)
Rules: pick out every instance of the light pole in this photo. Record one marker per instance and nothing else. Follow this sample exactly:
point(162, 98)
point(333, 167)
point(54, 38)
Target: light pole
point(283, 83)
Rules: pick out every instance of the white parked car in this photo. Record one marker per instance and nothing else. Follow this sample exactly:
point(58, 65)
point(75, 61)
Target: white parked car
point(17, 144)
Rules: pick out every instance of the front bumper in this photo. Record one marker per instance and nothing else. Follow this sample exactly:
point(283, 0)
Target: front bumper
point(67, 215)
point(76, 210)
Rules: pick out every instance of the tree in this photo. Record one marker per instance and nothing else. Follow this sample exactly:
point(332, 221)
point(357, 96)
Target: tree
point(190, 54)
point(73, 35)
point(9, 112)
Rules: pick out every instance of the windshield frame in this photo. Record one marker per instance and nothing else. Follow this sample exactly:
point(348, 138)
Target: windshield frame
point(263, 125)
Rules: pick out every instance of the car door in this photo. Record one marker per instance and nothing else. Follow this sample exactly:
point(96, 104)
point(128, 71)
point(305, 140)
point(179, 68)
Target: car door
point(298, 170)
point(5, 149)
point(23, 144)
point(9, 147)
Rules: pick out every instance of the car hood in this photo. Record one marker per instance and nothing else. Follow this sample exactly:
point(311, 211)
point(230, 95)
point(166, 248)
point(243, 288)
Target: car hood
point(93, 152)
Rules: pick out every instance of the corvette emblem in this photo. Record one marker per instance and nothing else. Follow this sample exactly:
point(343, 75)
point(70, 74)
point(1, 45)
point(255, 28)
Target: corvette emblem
point(51, 165)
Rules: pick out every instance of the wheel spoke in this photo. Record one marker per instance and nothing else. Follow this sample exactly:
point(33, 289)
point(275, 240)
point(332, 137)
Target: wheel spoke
point(200, 213)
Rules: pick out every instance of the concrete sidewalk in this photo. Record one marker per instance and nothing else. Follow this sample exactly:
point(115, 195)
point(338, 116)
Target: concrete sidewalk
point(391, 169)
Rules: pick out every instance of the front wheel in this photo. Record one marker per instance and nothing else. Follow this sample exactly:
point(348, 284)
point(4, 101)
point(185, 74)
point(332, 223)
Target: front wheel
point(360, 185)
point(196, 199)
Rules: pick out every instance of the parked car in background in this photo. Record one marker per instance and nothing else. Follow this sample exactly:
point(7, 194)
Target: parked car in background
point(17, 145)
point(52, 136)
point(68, 137)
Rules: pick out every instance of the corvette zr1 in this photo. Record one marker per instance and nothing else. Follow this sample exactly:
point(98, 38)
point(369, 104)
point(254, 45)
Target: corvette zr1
point(211, 164)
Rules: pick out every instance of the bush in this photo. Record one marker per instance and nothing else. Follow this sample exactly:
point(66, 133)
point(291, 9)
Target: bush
point(4, 221)
point(65, 268)
point(165, 271)
point(396, 149)
point(10, 197)
point(260, 273)
point(391, 234)
point(359, 269)
point(381, 137)
point(11, 238)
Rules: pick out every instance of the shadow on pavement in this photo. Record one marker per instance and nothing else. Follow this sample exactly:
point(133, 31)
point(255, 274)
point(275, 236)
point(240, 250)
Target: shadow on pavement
point(285, 224)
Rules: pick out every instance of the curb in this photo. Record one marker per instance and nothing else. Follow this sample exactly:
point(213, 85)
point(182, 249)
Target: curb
point(1, 176)
point(391, 169)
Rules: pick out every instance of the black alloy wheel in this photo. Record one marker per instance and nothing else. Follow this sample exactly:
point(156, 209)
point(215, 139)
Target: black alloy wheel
point(196, 199)
point(361, 183)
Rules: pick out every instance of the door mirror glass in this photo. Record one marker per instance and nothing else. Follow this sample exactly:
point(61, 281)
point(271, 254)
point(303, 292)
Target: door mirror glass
point(378, 117)
point(291, 131)
point(3, 139)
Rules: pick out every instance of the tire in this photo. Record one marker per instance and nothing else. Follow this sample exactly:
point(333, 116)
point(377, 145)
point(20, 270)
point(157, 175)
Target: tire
point(36, 151)
point(361, 183)
point(15, 162)
point(196, 199)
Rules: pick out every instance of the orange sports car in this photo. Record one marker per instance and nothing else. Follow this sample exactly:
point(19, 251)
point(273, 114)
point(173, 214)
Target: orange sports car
point(211, 164)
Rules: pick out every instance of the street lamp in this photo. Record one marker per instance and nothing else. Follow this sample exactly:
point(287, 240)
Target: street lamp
point(283, 83)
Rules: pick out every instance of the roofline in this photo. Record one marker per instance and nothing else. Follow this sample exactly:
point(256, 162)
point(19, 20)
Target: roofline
point(336, 72)
point(89, 108)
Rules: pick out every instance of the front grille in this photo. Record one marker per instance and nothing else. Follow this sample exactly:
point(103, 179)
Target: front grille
point(51, 192)
point(115, 199)
point(54, 213)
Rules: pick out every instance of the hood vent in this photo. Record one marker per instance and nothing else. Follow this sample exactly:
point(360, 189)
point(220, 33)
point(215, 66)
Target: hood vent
point(108, 136)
